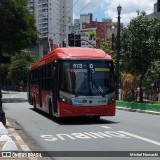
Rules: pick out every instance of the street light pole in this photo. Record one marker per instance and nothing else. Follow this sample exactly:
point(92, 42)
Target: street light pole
point(113, 31)
point(118, 52)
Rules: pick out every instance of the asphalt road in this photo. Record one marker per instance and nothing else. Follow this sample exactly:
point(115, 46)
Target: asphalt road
point(127, 131)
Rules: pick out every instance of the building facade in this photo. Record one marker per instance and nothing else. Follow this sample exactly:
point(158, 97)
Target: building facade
point(156, 10)
point(53, 21)
point(86, 41)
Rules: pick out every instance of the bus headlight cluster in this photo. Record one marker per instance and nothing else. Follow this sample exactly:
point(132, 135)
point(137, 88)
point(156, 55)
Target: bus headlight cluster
point(66, 100)
point(111, 100)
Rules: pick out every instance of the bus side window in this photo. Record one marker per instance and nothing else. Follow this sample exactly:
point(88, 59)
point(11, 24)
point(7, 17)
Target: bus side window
point(53, 75)
point(43, 78)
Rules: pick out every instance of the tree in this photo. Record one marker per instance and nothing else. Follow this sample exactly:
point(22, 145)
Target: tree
point(140, 47)
point(152, 80)
point(19, 67)
point(128, 86)
point(105, 46)
point(17, 27)
point(17, 31)
point(92, 35)
point(4, 75)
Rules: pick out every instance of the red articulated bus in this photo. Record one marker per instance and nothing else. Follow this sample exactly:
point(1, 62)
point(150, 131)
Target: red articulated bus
point(73, 81)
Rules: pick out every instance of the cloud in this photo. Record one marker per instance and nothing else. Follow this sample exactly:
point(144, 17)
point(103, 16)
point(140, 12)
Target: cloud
point(129, 8)
point(87, 6)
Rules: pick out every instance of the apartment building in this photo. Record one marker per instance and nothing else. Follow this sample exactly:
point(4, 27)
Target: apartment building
point(86, 41)
point(80, 29)
point(53, 20)
point(105, 30)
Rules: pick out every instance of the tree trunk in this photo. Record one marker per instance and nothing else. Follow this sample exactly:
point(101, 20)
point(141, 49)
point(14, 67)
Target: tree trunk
point(141, 90)
point(133, 94)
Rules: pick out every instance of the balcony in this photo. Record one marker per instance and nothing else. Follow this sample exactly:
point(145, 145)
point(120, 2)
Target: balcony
point(43, 6)
point(43, 2)
point(43, 22)
point(43, 17)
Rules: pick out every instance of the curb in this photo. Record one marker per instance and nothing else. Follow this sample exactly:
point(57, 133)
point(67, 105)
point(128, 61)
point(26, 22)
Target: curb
point(138, 110)
point(21, 145)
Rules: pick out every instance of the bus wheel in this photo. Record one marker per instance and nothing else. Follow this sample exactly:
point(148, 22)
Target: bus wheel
point(34, 104)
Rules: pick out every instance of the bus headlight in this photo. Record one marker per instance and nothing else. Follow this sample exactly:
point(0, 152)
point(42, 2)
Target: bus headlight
point(66, 100)
point(111, 100)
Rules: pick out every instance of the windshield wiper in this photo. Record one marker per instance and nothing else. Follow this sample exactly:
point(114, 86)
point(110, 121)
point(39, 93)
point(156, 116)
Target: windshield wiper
point(81, 86)
point(98, 88)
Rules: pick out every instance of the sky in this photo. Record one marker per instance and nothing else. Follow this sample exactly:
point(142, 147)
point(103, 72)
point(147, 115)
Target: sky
point(103, 9)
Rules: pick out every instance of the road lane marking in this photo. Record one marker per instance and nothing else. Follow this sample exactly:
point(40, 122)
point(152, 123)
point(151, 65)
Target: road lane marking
point(141, 138)
point(91, 135)
point(83, 135)
point(106, 127)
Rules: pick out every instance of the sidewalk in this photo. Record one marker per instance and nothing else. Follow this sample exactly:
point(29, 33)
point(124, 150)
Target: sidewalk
point(11, 141)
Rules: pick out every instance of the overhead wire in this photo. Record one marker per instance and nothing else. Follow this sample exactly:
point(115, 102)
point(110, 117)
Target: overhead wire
point(76, 13)
point(84, 7)
point(67, 14)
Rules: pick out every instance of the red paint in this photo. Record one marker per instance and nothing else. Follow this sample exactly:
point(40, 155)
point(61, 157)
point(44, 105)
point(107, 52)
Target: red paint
point(72, 52)
point(66, 110)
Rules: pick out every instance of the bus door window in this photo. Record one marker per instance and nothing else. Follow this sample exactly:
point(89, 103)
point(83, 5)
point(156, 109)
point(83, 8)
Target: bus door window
point(65, 78)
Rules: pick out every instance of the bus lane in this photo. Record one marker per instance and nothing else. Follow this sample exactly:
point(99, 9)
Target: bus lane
point(103, 135)
point(84, 135)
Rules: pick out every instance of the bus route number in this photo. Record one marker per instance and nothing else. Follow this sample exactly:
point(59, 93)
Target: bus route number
point(91, 66)
point(77, 65)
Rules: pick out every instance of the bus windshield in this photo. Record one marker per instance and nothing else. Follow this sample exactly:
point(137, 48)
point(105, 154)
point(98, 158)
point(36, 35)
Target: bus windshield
point(87, 77)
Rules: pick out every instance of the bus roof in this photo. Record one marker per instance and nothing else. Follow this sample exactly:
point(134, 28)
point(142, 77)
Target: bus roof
point(72, 53)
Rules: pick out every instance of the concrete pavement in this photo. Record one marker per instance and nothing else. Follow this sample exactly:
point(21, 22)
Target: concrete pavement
point(11, 141)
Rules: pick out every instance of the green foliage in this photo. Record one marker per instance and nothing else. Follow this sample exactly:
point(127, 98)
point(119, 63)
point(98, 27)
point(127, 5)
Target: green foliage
point(4, 70)
point(20, 65)
point(140, 43)
point(151, 78)
point(92, 35)
point(17, 26)
point(107, 47)
point(140, 46)
point(129, 98)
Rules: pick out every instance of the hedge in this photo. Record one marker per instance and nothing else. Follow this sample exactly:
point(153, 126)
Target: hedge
point(140, 106)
